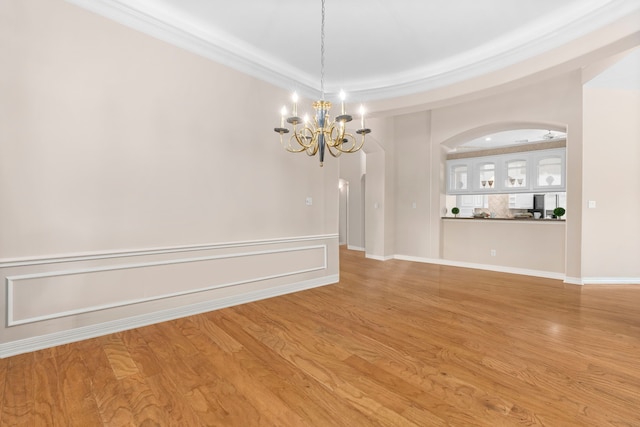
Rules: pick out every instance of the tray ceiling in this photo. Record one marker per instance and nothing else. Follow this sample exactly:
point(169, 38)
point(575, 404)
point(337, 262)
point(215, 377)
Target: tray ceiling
point(374, 49)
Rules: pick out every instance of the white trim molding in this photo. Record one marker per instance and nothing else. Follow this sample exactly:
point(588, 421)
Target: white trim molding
point(51, 300)
point(573, 281)
point(611, 280)
point(378, 257)
point(68, 336)
point(537, 39)
point(87, 256)
point(13, 281)
point(527, 272)
point(498, 268)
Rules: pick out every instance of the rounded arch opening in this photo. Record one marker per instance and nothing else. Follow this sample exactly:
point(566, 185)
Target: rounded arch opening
point(480, 131)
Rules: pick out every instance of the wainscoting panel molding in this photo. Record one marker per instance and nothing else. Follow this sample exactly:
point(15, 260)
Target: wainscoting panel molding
point(44, 296)
point(41, 296)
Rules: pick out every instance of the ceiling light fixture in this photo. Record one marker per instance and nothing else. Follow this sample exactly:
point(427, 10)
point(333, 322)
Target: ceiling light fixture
point(313, 136)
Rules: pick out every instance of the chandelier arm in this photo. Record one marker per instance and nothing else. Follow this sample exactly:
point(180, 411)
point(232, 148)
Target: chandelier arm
point(358, 147)
point(339, 132)
point(303, 135)
point(312, 148)
point(289, 147)
point(333, 153)
point(354, 145)
point(284, 145)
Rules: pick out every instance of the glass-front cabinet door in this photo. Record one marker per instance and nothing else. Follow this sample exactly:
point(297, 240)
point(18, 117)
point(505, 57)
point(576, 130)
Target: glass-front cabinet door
point(540, 171)
point(486, 175)
point(549, 170)
point(516, 174)
point(459, 171)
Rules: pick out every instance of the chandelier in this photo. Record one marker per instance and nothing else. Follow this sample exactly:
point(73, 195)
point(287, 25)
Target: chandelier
point(313, 136)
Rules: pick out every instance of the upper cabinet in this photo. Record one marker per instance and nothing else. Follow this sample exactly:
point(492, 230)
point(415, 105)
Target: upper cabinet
point(516, 172)
point(539, 171)
point(549, 170)
point(486, 175)
point(458, 172)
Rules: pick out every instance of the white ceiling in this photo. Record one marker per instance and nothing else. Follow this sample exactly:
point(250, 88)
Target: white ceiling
point(624, 75)
point(511, 138)
point(375, 48)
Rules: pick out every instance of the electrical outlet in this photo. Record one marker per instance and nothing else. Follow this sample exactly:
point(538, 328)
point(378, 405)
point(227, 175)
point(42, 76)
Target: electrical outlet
point(493, 252)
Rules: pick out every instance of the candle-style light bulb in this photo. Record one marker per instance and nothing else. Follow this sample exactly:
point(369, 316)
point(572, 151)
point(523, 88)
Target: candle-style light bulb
point(283, 113)
point(306, 118)
point(295, 104)
point(342, 97)
point(362, 116)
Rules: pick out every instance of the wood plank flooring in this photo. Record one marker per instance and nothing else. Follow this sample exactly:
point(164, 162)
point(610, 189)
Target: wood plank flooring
point(394, 343)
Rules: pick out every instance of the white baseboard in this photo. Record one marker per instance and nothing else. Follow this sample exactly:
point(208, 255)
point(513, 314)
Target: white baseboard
point(611, 280)
point(573, 281)
point(418, 259)
point(355, 248)
point(379, 258)
point(68, 336)
point(498, 268)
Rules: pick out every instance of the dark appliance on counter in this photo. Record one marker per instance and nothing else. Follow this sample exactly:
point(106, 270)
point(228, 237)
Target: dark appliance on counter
point(538, 205)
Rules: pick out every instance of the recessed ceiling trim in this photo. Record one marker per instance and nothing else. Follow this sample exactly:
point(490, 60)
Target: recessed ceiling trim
point(500, 54)
point(229, 51)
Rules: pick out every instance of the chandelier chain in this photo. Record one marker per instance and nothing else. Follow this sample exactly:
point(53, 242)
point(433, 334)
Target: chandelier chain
point(322, 53)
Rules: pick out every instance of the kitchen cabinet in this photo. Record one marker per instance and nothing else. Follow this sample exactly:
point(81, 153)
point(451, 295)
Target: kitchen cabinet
point(549, 170)
point(516, 172)
point(467, 203)
point(486, 175)
point(521, 201)
point(458, 172)
point(539, 171)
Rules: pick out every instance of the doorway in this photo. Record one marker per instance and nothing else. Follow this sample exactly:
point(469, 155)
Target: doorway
point(343, 211)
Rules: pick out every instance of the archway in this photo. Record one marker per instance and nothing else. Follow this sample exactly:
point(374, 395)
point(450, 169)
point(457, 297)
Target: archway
point(477, 132)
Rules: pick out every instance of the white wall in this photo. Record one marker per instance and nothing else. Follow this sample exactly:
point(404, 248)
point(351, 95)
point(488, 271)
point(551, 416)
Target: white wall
point(417, 167)
point(343, 210)
point(556, 102)
point(122, 158)
point(372, 192)
point(528, 247)
point(413, 198)
point(611, 174)
point(352, 170)
point(605, 123)
point(375, 205)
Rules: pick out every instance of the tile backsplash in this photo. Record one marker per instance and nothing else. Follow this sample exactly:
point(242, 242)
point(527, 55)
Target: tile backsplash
point(498, 206)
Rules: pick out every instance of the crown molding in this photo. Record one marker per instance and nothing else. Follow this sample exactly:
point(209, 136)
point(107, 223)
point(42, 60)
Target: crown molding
point(562, 28)
point(502, 53)
point(223, 51)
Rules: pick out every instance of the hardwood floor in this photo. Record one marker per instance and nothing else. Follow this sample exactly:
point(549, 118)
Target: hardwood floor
point(394, 343)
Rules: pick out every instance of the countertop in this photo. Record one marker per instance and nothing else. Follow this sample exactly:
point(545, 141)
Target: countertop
point(505, 219)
